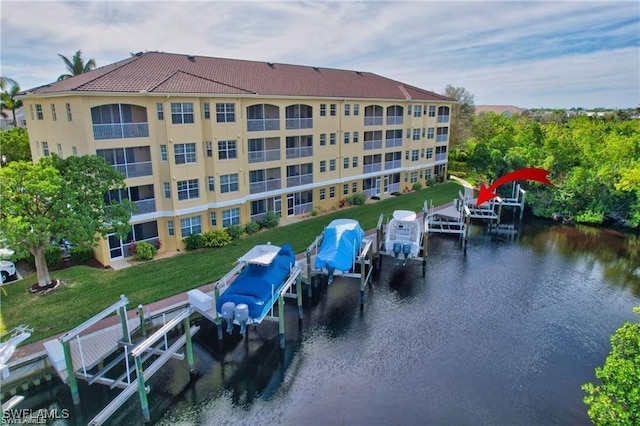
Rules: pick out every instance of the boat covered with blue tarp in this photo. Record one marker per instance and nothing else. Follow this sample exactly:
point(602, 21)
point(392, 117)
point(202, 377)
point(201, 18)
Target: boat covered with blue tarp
point(340, 245)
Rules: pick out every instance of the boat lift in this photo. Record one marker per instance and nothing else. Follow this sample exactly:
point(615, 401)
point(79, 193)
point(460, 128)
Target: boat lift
point(454, 219)
point(381, 230)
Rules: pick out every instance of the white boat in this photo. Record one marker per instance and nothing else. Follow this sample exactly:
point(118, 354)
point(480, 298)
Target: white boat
point(18, 335)
point(403, 236)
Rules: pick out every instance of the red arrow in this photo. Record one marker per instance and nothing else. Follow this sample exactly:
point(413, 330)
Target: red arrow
point(531, 173)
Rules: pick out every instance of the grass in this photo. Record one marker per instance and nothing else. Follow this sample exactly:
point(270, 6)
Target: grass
point(90, 290)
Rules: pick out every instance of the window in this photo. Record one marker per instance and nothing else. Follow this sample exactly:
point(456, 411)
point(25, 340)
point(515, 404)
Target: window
point(323, 139)
point(408, 133)
point(213, 217)
point(59, 150)
point(429, 153)
point(170, 229)
point(417, 111)
point(185, 153)
point(167, 190)
point(356, 109)
point(226, 113)
point(354, 187)
point(229, 183)
point(182, 112)
point(190, 226)
point(323, 110)
point(346, 162)
point(406, 155)
point(74, 151)
point(39, 113)
point(45, 149)
point(430, 133)
point(424, 132)
point(332, 111)
point(332, 139)
point(422, 153)
point(427, 174)
point(432, 110)
point(414, 177)
point(31, 109)
point(346, 137)
point(323, 194)
point(206, 110)
point(415, 155)
point(409, 110)
point(227, 150)
point(354, 162)
point(163, 153)
point(347, 109)
point(68, 108)
point(332, 165)
point(332, 192)
point(208, 148)
point(188, 189)
point(323, 166)
point(345, 189)
point(160, 110)
point(416, 134)
point(211, 181)
point(230, 217)
point(356, 136)
point(54, 116)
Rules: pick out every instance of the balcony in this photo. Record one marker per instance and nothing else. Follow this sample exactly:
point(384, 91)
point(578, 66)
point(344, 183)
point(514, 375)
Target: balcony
point(393, 187)
point(373, 167)
point(393, 142)
point(393, 164)
point(442, 138)
point(302, 209)
point(264, 185)
point(120, 131)
point(262, 124)
point(131, 170)
point(299, 123)
point(264, 155)
point(373, 144)
point(394, 120)
point(128, 248)
point(443, 119)
point(300, 152)
point(299, 180)
point(441, 157)
point(145, 206)
point(373, 121)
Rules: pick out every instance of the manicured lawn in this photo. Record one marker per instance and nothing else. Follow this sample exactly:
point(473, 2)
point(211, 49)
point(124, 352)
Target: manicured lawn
point(89, 290)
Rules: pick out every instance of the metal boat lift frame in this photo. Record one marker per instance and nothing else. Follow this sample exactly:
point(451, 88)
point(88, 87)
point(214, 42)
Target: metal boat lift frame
point(424, 242)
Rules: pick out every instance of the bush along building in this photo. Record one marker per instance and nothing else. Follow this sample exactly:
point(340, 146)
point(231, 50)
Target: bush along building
point(206, 143)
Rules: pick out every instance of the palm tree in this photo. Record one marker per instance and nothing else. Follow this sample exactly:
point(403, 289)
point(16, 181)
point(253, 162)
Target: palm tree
point(76, 65)
point(8, 97)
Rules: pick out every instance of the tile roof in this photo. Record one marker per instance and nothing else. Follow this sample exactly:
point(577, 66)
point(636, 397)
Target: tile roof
point(157, 72)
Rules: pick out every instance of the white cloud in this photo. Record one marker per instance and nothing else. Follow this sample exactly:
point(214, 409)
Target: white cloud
point(523, 53)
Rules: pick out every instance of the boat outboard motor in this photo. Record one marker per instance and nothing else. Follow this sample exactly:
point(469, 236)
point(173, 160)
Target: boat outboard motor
point(397, 248)
point(242, 315)
point(406, 249)
point(330, 272)
point(227, 313)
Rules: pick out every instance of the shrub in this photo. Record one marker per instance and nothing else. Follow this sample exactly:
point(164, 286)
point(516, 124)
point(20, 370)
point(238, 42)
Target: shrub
point(81, 253)
point(53, 256)
point(144, 251)
point(431, 181)
point(417, 186)
point(314, 212)
point(234, 231)
point(216, 238)
point(270, 220)
point(193, 242)
point(251, 228)
point(357, 199)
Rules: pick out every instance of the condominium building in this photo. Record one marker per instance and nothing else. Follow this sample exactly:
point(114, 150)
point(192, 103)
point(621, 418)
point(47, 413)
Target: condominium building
point(207, 143)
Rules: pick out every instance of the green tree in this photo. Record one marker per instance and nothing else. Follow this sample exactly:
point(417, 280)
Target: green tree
point(8, 98)
point(462, 114)
point(14, 145)
point(76, 65)
point(56, 198)
point(616, 401)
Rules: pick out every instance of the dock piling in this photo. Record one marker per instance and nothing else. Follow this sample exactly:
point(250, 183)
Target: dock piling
point(299, 295)
point(71, 376)
point(189, 344)
point(281, 320)
point(142, 390)
point(142, 320)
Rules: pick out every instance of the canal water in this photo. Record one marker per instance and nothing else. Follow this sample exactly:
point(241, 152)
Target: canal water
point(504, 335)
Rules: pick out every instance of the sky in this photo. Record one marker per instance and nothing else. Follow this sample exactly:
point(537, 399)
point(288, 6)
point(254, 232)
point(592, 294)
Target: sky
point(533, 54)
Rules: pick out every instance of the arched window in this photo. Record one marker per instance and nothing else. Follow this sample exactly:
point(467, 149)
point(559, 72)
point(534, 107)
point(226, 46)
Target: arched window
point(263, 117)
point(299, 116)
point(395, 114)
point(373, 115)
point(443, 114)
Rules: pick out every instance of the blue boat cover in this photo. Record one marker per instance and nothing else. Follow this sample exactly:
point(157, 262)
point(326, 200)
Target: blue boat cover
point(340, 245)
point(257, 284)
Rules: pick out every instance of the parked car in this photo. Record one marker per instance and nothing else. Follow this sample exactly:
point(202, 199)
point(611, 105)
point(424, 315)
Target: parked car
point(8, 271)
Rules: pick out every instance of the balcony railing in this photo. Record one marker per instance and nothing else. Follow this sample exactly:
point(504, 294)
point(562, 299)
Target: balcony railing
point(145, 206)
point(260, 124)
point(264, 185)
point(393, 164)
point(264, 155)
point(120, 130)
point(373, 121)
point(134, 169)
point(302, 208)
point(442, 138)
point(394, 187)
point(299, 180)
point(299, 123)
point(373, 167)
point(371, 192)
point(394, 119)
point(443, 119)
point(441, 157)
point(392, 143)
point(304, 151)
point(127, 249)
point(373, 144)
